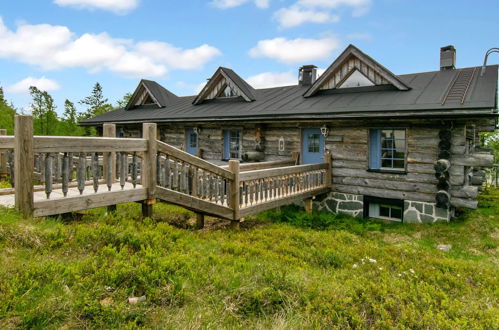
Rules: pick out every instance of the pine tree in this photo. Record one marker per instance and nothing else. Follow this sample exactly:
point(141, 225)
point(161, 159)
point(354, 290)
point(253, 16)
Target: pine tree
point(96, 103)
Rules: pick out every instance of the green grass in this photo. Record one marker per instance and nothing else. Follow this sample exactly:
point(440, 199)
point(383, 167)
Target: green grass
point(283, 269)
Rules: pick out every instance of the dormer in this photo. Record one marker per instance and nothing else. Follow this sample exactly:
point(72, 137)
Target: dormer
point(149, 93)
point(225, 84)
point(354, 69)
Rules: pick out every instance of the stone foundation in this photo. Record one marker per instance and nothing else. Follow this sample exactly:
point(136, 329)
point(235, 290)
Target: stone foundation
point(341, 203)
point(414, 212)
point(420, 212)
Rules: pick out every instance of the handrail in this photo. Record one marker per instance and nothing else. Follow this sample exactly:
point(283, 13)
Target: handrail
point(244, 167)
point(261, 174)
point(6, 142)
point(198, 162)
point(43, 144)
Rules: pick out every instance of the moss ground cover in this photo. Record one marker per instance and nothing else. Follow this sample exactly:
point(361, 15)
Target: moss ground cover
point(282, 269)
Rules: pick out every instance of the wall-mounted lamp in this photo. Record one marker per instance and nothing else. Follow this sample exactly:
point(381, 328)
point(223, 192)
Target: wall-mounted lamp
point(196, 130)
point(281, 144)
point(324, 130)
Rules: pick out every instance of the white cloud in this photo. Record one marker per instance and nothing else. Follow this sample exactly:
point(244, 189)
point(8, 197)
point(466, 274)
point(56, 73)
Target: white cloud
point(318, 11)
point(53, 47)
point(295, 50)
point(333, 3)
point(226, 4)
point(116, 6)
point(273, 79)
point(297, 15)
point(44, 84)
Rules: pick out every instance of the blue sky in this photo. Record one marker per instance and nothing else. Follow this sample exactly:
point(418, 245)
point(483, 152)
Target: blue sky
point(65, 46)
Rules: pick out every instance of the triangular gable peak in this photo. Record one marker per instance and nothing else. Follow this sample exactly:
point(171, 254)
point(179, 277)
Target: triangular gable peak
point(353, 68)
point(225, 83)
point(150, 92)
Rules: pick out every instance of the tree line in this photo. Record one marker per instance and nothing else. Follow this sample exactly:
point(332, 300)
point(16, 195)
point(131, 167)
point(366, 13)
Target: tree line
point(46, 120)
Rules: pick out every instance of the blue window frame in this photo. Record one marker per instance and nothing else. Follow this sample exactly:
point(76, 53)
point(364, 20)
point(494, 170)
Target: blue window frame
point(387, 149)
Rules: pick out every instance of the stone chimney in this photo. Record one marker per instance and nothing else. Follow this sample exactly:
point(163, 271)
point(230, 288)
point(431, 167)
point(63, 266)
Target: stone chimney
point(307, 75)
point(447, 58)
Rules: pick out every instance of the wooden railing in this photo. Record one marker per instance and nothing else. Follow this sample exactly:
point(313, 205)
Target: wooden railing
point(77, 173)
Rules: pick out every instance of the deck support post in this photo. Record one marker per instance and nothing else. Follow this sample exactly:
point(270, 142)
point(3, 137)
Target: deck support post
point(146, 209)
point(234, 192)
point(309, 205)
point(149, 170)
point(199, 220)
point(24, 166)
point(3, 158)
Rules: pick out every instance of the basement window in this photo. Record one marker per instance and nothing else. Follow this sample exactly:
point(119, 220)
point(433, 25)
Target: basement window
point(385, 209)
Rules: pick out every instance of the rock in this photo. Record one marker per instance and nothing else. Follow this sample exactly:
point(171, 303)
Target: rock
point(444, 247)
point(136, 300)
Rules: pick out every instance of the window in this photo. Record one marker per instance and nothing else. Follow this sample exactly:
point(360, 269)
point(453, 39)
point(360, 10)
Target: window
point(385, 211)
point(383, 208)
point(193, 140)
point(232, 144)
point(227, 92)
point(356, 79)
point(387, 149)
point(314, 142)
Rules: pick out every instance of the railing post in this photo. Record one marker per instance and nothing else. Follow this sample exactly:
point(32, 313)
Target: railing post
point(24, 164)
point(3, 158)
point(234, 188)
point(149, 173)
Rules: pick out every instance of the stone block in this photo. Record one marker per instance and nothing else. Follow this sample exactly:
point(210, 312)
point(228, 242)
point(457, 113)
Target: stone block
point(350, 206)
point(426, 218)
point(332, 205)
point(411, 216)
point(428, 209)
point(442, 213)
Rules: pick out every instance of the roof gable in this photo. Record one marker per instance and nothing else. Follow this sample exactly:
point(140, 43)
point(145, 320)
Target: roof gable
point(351, 60)
point(150, 92)
point(222, 79)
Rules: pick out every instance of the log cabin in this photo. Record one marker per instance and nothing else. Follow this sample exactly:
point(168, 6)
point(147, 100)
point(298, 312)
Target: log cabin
point(403, 147)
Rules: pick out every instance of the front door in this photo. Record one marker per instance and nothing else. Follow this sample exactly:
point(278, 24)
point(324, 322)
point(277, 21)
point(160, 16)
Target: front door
point(191, 141)
point(312, 146)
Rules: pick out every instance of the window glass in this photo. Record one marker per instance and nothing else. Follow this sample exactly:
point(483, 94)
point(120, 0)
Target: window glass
point(228, 92)
point(392, 151)
point(314, 142)
point(385, 211)
point(193, 139)
point(234, 144)
point(356, 79)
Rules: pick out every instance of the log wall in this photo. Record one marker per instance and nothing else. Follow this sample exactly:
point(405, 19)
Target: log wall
point(348, 144)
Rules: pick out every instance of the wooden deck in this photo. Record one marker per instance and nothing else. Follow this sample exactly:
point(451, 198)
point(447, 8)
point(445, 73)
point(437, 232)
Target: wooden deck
point(112, 171)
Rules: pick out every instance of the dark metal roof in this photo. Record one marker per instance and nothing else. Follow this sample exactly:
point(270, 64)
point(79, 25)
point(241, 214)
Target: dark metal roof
point(426, 97)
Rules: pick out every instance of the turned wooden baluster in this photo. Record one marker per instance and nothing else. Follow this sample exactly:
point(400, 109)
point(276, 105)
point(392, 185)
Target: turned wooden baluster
point(167, 172)
point(135, 167)
point(123, 169)
point(65, 174)
point(48, 174)
point(159, 175)
point(95, 170)
point(80, 172)
point(175, 175)
point(10, 160)
point(109, 168)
